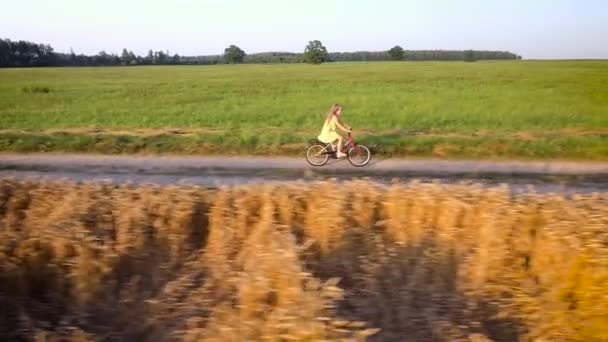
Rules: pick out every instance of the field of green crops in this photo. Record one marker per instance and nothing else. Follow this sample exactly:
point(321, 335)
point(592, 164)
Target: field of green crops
point(531, 109)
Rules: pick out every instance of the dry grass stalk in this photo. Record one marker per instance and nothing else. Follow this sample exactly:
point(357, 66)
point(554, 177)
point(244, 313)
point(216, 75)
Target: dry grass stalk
point(300, 261)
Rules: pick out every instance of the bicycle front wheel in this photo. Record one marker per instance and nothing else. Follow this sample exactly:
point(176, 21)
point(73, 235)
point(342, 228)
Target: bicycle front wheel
point(359, 155)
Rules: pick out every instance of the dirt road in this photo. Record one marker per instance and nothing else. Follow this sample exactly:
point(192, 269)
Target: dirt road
point(548, 176)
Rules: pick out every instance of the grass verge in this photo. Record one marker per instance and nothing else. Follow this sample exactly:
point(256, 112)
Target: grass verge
point(580, 146)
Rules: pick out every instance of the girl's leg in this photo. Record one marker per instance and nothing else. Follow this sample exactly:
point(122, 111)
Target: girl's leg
point(339, 153)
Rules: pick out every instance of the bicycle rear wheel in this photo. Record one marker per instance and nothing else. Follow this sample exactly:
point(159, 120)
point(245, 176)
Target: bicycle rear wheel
point(316, 155)
point(359, 155)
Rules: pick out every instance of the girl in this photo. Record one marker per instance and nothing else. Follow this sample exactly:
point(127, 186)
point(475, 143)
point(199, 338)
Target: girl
point(328, 133)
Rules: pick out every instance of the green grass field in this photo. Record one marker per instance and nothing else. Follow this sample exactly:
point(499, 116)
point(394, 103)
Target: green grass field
point(531, 109)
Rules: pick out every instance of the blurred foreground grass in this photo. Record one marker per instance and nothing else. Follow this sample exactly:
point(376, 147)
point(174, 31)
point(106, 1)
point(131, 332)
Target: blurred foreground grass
point(302, 262)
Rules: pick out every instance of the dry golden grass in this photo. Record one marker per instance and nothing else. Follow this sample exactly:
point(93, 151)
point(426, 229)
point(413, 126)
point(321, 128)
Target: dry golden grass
point(300, 262)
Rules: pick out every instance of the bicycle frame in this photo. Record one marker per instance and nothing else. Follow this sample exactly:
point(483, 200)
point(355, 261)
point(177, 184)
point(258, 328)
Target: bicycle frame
point(350, 142)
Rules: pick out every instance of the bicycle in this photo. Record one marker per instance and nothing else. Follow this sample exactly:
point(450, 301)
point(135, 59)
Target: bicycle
point(318, 153)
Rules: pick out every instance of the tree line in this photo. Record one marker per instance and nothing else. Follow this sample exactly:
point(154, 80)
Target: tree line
point(27, 54)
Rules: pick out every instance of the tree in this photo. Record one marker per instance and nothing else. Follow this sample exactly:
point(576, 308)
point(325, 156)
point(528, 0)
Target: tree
point(132, 58)
point(160, 57)
point(149, 58)
point(469, 56)
point(396, 53)
point(315, 53)
point(114, 59)
point(28, 54)
point(233, 54)
point(125, 57)
point(5, 53)
point(102, 58)
point(72, 60)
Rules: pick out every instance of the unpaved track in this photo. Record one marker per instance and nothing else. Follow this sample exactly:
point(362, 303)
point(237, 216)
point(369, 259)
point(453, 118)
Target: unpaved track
point(76, 162)
point(544, 175)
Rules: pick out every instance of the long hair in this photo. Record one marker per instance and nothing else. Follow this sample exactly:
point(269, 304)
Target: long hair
point(334, 108)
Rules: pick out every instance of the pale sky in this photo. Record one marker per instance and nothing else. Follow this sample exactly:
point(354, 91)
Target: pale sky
point(532, 28)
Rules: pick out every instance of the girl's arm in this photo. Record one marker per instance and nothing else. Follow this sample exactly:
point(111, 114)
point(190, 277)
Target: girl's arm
point(341, 126)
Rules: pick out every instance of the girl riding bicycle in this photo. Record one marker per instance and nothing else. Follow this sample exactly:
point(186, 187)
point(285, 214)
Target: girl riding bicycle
point(328, 133)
